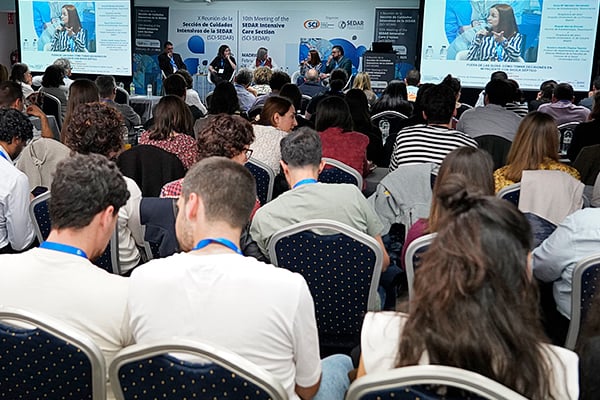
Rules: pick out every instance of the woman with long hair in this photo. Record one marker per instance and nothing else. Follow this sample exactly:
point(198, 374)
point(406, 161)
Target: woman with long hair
point(21, 74)
point(476, 165)
point(53, 83)
point(172, 120)
point(586, 133)
point(222, 67)
point(312, 61)
point(535, 147)
point(69, 35)
point(81, 91)
point(454, 84)
point(262, 58)
point(362, 81)
point(475, 304)
point(500, 40)
point(224, 100)
point(339, 139)
point(359, 110)
point(277, 119)
point(393, 98)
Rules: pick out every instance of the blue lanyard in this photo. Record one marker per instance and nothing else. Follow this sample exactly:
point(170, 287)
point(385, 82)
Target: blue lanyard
point(63, 248)
point(222, 241)
point(304, 182)
point(4, 156)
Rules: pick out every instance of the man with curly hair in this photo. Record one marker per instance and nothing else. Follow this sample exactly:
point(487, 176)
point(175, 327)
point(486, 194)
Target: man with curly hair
point(58, 279)
point(97, 128)
point(16, 228)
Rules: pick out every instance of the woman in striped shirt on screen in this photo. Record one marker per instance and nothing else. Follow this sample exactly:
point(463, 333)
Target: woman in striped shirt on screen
point(500, 39)
point(69, 36)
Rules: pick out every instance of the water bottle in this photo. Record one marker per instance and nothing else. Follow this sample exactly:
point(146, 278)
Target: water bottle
point(132, 89)
point(429, 53)
point(35, 44)
point(149, 90)
point(443, 53)
point(25, 44)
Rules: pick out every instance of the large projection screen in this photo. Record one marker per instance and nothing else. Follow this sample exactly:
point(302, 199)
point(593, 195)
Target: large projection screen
point(94, 35)
point(531, 40)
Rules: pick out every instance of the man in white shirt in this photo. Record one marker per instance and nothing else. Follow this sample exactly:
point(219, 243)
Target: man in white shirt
point(211, 292)
point(16, 229)
point(57, 278)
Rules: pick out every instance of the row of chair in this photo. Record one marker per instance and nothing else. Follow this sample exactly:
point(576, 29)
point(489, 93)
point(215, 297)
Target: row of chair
point(44, 358)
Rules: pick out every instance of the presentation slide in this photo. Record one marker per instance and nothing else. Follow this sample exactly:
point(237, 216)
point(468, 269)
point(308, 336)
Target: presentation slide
point(532, 40)
point(94, 35)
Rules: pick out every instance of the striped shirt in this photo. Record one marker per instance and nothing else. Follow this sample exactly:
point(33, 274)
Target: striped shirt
point(63, 42)
point(487, 49)
point(426, 144)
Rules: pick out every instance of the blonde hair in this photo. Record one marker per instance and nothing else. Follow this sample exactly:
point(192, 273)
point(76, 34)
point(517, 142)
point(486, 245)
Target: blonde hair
point(262, 75)
point(536, 141)
point(362, 81)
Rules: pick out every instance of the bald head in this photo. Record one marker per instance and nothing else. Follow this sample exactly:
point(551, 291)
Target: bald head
point(312, 75)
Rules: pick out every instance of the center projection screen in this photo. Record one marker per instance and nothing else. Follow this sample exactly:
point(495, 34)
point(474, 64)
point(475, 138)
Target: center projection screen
point(531, 40)
point(94, 35)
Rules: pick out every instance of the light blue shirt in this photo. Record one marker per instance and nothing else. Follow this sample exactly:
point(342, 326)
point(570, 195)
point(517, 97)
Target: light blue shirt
point(576, 238)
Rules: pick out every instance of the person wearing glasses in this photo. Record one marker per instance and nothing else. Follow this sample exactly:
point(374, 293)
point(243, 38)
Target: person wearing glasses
point(170, 62)
point(16, 228)
point(336, 60)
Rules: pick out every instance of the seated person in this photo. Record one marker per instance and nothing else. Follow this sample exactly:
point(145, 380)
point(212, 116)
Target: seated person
point(562, 108)
point(108, 91)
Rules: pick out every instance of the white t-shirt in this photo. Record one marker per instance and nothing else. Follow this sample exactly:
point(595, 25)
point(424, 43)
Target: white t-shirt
point(260, 312)
point(380, 339)
point(69, 288)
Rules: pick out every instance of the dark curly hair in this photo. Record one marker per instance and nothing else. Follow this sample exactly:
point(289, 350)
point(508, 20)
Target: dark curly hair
point(225, 136)
point(14, 124)
point(53, 76)
point(83, 186)
point(95, 128)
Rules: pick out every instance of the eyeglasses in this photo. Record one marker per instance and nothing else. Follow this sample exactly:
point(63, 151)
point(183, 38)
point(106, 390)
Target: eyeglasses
point(248, 153)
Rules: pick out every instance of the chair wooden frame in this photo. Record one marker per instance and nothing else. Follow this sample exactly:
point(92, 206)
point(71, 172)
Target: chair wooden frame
point(575, 324)
point(336, 227)
point(210, 353)
point(414, 247)
point(62, 331)
point(431, 374)
point(345, 168)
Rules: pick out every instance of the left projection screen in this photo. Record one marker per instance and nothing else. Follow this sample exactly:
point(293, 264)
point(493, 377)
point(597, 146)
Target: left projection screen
point(94, 35)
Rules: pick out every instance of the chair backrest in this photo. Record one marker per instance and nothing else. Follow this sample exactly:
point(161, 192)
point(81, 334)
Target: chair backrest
point(511, 193)
point(40, 216)
point(43, 358)
point(388, 122)
point(415, 382)
point(304, 103)
point(497, 146)
point(162, 370)
point(337, 172)
point(121, 96)
point(586, 276)
point(51, 105)
point(540, 227)
point(157, 216)
point(565, 132)
point(412, 258)
point(588, 164)
point(150, 167)
point(342, 267)
point(264, 177)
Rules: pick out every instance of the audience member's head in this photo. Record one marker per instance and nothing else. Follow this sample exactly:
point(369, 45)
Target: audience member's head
point(53, 76)
point(475, 274)
point(187, 77)
point(302, 148)
point(262, 75)
point(226, 191)
point(394, 98)
point(3, 73)
point(362, 81)
point(439, 104)
point(333, 112)
point(535, 142)
point(106, 86)
point(595, 114)
point(418, 105)
point(358, 105)
point(596, 83)
point(65, 64)
point(226, 136)
point(278, 112)
point(292, 93)
point(20, 73)
point(413, 77)
point(81, 91)
point(244, 77)
point(453, 83)
point(15, 131)
point(312, 75)
point(224, 99)
point(278, 79)
point(175, 85)
point(11, 95)
point(546, 90)
point(498, 75)
point(171, 116)
point(475, 165)
point(95, 128)
point(517, 93)
point(85, 186)
point(498, 91)
point(338, 74)
point(563, 91)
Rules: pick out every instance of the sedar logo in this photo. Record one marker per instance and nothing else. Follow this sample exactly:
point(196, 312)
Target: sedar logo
point(312, 24)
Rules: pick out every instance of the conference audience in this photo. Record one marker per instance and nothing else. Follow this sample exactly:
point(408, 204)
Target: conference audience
point(245, 95)
point(562, 108)
point(191, 96)
point(544, 95)
point(586, 133)
point(53, 83)
point(361, 120)
point(261, 79)
point(224, 100)
point(107, 89)
point(312, 84)
point(81, 91)
point(362, 81)
point(292, 93)
point(21, 74)
point(393, 98)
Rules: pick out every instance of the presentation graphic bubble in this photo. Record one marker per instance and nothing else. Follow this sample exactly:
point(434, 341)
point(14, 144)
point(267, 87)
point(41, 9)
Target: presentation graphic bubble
point(196, 44)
